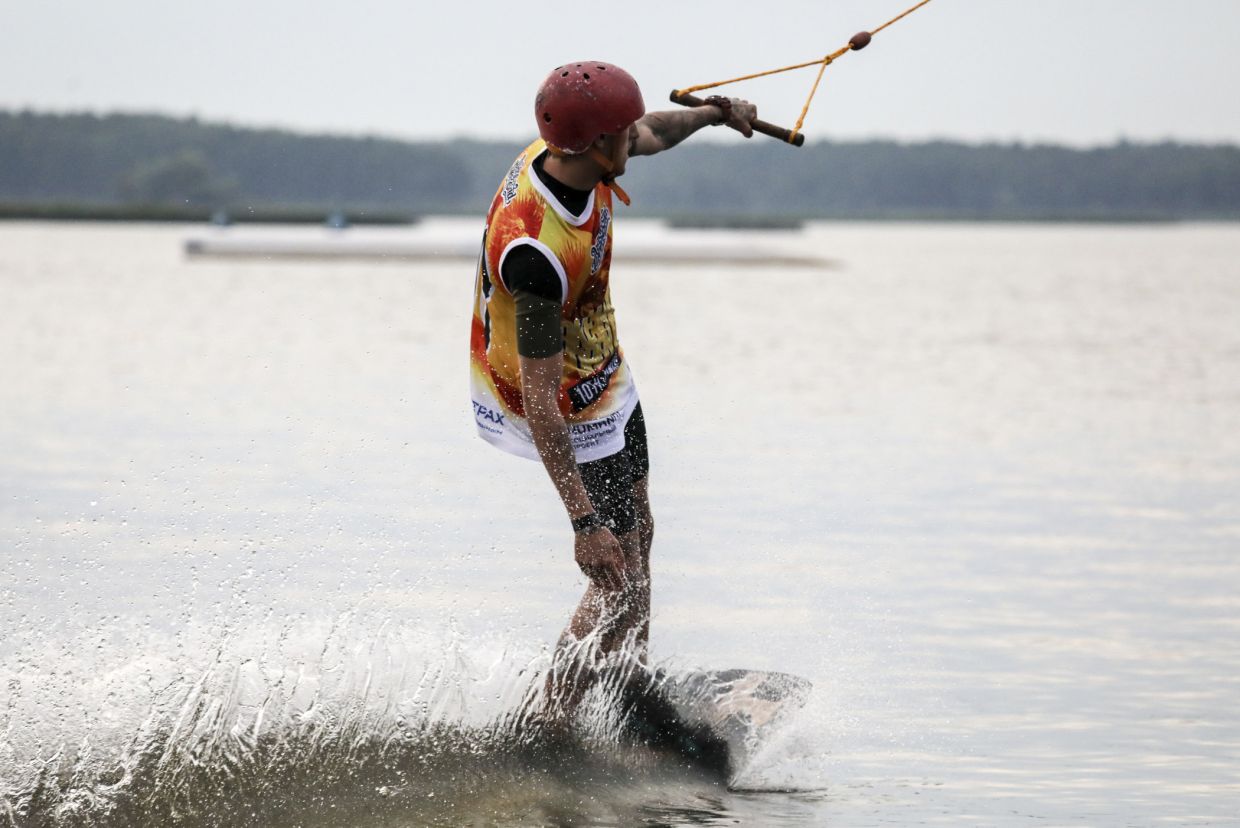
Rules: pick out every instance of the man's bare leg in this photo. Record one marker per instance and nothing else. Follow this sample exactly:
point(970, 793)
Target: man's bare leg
point(616, 614)
point(603, 621)
point(608, 617)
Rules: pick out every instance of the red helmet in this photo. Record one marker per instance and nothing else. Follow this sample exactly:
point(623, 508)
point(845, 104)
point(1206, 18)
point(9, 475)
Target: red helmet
point(578, 102)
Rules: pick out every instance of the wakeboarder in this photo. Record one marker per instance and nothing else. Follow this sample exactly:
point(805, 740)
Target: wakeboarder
point(549, 379)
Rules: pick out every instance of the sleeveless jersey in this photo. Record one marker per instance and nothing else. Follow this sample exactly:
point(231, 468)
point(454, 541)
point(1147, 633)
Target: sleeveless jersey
point(597, 393)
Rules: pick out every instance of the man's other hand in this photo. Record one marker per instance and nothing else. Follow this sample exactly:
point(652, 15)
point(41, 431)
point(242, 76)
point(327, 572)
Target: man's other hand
point(600, 557)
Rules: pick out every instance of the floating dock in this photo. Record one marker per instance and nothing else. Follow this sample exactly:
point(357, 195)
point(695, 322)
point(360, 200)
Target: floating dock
point(456, 239)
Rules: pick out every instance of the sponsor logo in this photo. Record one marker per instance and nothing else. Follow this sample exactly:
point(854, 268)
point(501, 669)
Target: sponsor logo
point(592, 387)
point(596, 432)
point(483, 415)
point(600, 241)
point(509, 192)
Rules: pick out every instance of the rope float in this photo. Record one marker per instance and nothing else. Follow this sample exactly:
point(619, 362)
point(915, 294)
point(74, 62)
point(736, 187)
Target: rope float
point(794, 136)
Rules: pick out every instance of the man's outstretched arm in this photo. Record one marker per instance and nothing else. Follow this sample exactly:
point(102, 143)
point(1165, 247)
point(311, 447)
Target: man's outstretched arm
point(658, 131)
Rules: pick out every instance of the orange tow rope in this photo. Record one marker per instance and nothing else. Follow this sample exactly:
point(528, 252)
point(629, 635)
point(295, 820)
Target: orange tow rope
point(856, 43)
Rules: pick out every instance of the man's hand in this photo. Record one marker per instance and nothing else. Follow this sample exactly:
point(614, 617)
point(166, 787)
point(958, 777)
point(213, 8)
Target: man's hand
point(600, 557)
point(743, 115)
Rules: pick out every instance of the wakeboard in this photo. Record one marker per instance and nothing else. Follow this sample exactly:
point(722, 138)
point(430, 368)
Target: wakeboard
point(713, 721)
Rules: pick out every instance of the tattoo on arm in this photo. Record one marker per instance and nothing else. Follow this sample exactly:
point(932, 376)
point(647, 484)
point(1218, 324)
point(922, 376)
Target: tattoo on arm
point(658, 131)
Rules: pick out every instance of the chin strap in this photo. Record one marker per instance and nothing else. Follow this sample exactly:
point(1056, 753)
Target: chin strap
point(608, 179)
point(619, 191)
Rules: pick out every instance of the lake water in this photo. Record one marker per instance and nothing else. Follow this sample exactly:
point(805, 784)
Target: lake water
point(979, 483)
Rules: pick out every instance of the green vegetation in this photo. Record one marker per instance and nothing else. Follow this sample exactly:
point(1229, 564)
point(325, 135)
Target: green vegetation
point(151, 166)
point(147, 161)
point(285, 214)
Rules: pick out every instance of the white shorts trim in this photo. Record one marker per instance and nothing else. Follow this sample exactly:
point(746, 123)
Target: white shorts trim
point(591, 439)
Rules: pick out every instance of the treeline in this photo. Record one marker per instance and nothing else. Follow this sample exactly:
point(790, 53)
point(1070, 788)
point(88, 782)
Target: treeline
point(153, 160)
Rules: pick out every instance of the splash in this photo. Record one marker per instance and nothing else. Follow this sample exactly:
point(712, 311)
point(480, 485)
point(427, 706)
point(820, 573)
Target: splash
point(359, 720)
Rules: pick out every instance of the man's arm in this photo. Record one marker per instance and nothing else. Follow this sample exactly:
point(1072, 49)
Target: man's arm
point(658, 131)
point(536, 291)
point(598, 552)
point(540, 385)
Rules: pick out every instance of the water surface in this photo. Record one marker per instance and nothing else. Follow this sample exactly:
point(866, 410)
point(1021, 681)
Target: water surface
point(979, 483)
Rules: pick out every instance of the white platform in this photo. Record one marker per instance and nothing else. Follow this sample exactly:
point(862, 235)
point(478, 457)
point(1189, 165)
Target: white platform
point(445, 238)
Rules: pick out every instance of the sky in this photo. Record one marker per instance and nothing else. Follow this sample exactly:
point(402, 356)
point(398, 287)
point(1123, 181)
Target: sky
point(1080, 72)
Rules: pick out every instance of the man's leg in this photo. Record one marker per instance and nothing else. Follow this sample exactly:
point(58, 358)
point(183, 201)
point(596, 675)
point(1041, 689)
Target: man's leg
point(638, 456)
point(607, 619)
point(612, 613)
point(604, 621)
point(645, 537)
point(618, 487)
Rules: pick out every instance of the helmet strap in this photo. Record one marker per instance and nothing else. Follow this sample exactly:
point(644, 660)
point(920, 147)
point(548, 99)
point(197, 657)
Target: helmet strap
point(601, 159)
point(606, 163)
point(619, 191)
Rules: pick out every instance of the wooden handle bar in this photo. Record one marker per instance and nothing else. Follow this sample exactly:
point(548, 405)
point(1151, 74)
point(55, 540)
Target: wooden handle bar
point(785, 135)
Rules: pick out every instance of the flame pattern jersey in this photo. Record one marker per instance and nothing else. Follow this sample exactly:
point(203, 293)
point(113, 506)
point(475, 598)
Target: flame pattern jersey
point(597, 393)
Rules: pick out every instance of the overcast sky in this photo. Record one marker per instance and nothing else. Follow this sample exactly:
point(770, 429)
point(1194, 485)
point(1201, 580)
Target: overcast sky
point(1075, 71)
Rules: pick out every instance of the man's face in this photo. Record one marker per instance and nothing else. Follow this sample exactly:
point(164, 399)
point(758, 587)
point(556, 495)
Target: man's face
point(619, 149)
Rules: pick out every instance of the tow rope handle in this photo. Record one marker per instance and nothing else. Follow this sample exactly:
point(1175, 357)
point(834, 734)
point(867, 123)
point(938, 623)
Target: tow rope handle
point(766, 128)
point(793, 136)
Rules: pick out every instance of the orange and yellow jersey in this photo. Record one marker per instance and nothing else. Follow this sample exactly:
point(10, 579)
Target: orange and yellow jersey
point(597, 393)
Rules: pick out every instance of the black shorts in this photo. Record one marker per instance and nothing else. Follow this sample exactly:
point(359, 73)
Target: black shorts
point(609, 480)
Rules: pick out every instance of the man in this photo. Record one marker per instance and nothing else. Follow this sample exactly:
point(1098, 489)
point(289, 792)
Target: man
point(549, 380)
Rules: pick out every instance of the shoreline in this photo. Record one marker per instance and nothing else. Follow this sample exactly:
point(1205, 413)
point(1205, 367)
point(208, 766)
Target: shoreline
point(334, 217)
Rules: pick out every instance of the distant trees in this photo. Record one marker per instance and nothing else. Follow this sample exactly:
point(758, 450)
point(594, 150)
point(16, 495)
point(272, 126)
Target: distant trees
point(165, 161)
point(182, 178)
point(942, 179)
point(82, 157)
